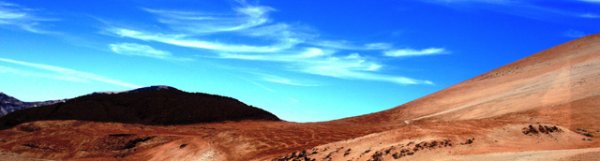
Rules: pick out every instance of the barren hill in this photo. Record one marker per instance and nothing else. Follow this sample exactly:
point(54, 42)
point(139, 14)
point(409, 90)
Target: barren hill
point(543, 107)
point(156, 105)
point(540, 104)
point(555, 77)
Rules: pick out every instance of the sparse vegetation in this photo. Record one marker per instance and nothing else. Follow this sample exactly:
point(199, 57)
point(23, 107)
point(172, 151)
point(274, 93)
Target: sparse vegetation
point(31, 145)
point(347, 152)
point(296, 156)
point(133, 143)
point(543, 129)
point(468, 141)
point(400, 150)
point(121, 135)
point(377, 156)
point(182, 146)
point(122, 141)
point(387, 151)
point(29, 128)
point(584, 132)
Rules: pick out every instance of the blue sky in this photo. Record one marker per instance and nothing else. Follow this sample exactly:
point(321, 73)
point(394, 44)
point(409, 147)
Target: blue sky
point(302, 60)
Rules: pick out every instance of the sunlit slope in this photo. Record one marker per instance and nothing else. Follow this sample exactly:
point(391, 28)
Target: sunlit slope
point(556, 77)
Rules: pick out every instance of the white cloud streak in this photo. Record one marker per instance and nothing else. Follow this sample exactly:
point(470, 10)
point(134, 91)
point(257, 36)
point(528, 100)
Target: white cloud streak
point(352, 66)
point(414, 52)
point(503, 2)
point(296, 48)
point(185, 41)
point(574, 33)
point(248, 20)
point(66, 74)
point(21, 17)
point(528, 9)
point(281, 57)
point(591, 1)
point(285, 81)
point(26, 73)
point(134, 49)
point(345, 45)
point(589, 15)
point(203, 23)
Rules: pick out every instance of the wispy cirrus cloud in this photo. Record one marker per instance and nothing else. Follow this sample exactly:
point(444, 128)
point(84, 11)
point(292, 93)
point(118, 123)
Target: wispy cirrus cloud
point(529, 9)
point(134, 49)
point(286, 81)
point(315, 61)
point(297, 49)
point(354, 66)
point(574, 33)
point(414, 52)
point(589, 15)
point(305, 54)
point(60, 73)
point(346, 45)
point(591, 1)
point(33, 74)
point(205, 23)
point(473, 1)
point(186, 41)
point(248, 20)
point(22, 17)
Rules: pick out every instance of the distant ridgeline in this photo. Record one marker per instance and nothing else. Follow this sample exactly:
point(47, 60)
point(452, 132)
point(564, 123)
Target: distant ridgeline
point(10, 104)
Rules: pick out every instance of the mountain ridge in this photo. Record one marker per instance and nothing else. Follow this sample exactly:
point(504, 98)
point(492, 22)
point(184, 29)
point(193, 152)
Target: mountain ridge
point(9, 104)
point(154, 105)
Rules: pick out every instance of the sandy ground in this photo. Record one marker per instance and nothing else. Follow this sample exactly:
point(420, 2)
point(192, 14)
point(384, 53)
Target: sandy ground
point(591, 154)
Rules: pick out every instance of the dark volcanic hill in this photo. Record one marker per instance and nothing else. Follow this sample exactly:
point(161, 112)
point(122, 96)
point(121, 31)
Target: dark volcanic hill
point(156, 105)
point(10, 104)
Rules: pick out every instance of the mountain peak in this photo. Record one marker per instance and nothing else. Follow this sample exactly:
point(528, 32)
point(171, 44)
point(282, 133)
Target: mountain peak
point(6, 98)
point(155, 88)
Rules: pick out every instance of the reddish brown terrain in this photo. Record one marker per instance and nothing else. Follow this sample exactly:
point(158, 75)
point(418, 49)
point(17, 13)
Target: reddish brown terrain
point(543, 107)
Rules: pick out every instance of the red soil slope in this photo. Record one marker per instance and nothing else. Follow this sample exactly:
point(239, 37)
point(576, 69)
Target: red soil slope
point(560, 75)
